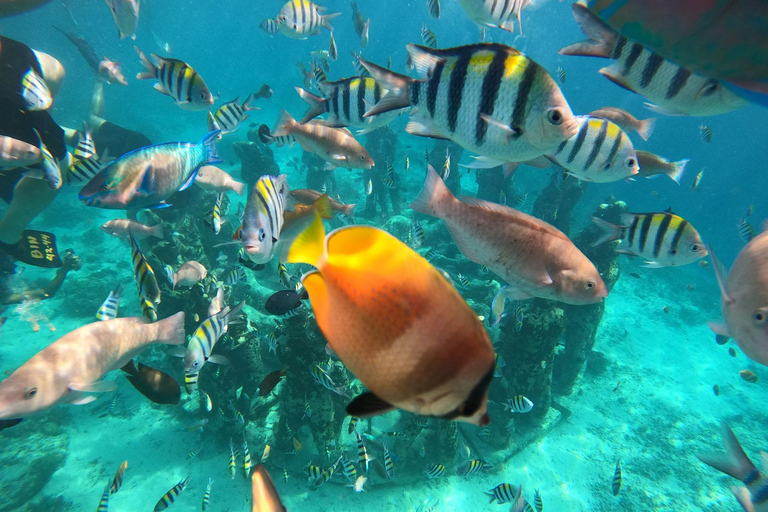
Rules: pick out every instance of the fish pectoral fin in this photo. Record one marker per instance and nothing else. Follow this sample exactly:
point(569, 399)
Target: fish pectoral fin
point(190, 180)
point(482, 162)
point(492, 121)
point(178, 351)
point(719, 328)
point(513, 293)
point(422, 130)
point(662, 110)
point(628, 252)
point(652, 264)
point(219, 359)
point(147, 184)
point(329, 166)
point(159, 88)
point(161, 204)
point(100, 386)
point(612, 74)
point(368, 404)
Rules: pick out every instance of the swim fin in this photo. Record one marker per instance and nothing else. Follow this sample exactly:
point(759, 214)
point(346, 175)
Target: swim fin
point(36, 248)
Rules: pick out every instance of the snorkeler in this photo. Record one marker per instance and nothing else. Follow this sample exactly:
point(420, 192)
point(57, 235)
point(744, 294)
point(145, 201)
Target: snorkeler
point(27, 196)
point(11, 296)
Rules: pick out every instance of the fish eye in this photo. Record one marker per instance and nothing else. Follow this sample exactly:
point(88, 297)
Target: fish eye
point(202, 95)
point(695, 248)
point(760, 317)
point(30, 392)
point(673, 251)
point(262, 235)
point(590, 284)
point(555, 117)
point(630, 162)
point(710, 88)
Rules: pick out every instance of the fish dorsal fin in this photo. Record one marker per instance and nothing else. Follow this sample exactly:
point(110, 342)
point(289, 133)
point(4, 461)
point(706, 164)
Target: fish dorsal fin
point(519, 216)
point(669, 210)
point(367, 405)
point(722, 275)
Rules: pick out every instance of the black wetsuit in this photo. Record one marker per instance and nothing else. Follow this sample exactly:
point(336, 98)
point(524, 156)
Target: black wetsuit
point(117, 141)
point(15, 60)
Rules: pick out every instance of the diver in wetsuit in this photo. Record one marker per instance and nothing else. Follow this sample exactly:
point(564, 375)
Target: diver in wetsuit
point(27, 197)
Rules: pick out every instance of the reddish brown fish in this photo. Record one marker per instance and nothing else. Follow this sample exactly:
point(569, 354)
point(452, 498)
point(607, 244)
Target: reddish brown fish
point(309, 196)
point(534, 258)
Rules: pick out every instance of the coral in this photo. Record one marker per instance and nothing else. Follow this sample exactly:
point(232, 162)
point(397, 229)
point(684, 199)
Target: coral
point(582, 322)
point(256, 159)
point(557, 200)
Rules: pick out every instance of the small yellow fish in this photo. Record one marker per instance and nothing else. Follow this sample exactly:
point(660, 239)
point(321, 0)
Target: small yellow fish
point(265, 455)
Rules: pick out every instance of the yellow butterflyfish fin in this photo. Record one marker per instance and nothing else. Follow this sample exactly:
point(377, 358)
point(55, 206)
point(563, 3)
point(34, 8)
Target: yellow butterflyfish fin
point(309, 245)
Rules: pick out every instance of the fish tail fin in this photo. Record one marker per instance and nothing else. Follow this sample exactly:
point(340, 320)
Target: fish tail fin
point(234, 313)
point(397, 85)
point(679, 168)
point(323, 207)
point(171, 330)
point(265, 135)
point(150, 70)
point(316, 105)
point(735, 463)
point(118, 290)
point(309, 245)
point(248, 104)
point(157, 231)
point(325, 20)
point(610, 232)
point(432, 195)
point(349, 210)
point(646, 128)
point(285, 125)
point(209, 145)
point(602, 38)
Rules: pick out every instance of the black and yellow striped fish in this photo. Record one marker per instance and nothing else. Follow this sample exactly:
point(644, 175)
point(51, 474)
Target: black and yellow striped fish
point(471, 467)
point(170, 497)
point(538, 502)
point(246, 459)
point(663, 238)
point(674, 89)
point(616, 481)
point(108, 310)
point(435, 471)
point(207, 495)
point(146, 282)
point(232, 460)
point(389, 466)
point(600, 152)
point(301, 18)
point(346, 102)
point(428, 37)
point(117, 480)
point(83, 169)
point(148, 309)
point(348, 468)
point(313, 472)
point(362, 453)
point(230, 115)
point(488, 98)
point(178, 80)
point(190, 381)
point(502, 493)
point(352, 424)
point(85, 147)
point(104, 501)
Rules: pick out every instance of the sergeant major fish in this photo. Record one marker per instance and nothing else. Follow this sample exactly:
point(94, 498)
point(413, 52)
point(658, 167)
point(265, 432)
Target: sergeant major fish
point(488, 98)
point(71, 368)
point(263, 219)
point(201, 344)
point(301, 18)
point(178, 80)
point(146, 177)
point(346, 102)
point(663, 238)
point(674, 89)
point(108, 310)
point(231, 115)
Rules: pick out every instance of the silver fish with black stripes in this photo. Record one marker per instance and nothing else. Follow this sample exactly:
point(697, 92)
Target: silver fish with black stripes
point(600, 152)
point(301, 18)
point(662, 238)
point(489, 98)
point(346, 101)
point(177, 79)
point(673, 89)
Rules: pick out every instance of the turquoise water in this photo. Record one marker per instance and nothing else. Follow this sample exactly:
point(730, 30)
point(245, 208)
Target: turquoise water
point(645, 398)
